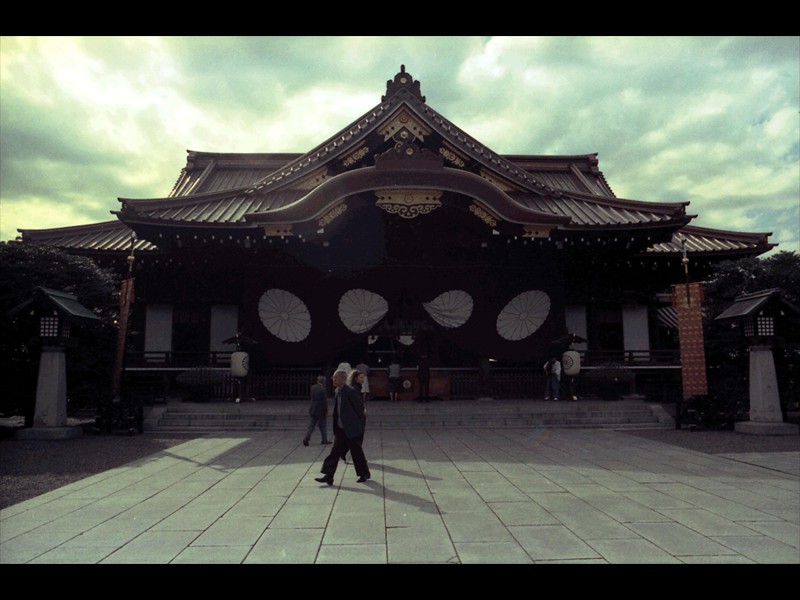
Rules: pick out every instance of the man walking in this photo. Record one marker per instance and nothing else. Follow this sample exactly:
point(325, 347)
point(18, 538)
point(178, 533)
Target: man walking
point(552, 371)
point(318, 411)
point(349, 419)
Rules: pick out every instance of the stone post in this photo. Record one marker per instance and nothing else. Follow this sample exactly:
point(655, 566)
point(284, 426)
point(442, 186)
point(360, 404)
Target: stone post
point(766, 417)
point(50, 418)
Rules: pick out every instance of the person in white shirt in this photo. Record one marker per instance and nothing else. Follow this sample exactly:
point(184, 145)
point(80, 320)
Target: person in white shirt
point(552, 372)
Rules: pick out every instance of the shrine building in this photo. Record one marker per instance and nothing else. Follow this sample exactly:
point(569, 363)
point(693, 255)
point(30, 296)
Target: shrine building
point(400, 235)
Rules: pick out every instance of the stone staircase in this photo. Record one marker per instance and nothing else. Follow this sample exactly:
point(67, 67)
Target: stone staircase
point(273, 415)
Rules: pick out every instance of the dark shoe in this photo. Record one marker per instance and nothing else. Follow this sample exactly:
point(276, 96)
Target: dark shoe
point(362, 479)
point(305, 442)
point(325, 443)
point(325, 479)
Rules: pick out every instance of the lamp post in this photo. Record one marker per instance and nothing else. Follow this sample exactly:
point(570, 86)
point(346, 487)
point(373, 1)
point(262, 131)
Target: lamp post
point(55, 312)
point(240, 363)
point(759, 314)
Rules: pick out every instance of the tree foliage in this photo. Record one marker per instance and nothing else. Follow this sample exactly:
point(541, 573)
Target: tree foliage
point(23, 267)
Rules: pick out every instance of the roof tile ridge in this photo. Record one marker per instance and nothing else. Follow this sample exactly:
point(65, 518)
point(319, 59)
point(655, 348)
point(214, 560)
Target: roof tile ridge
point(486, 155)
point(337, 143)
point(174, 201)
point(626, 202)
point(111, 223)
point(727, 232)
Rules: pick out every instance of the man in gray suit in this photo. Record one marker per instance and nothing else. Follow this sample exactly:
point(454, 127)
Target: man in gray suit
point(318, 411)
point(349, 419)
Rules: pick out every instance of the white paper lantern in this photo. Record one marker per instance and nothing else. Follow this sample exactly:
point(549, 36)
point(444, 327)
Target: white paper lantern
point(240, 364)
point(360, 310)
point(450, 309)
point(571, 363)
point(284, 315)
point(523, 315)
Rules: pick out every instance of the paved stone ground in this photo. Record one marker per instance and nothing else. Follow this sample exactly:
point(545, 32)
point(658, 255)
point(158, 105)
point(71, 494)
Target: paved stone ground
point(437, 496)
point(29, 468)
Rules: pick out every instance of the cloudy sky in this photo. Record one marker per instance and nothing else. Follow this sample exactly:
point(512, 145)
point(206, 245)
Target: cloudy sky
point(710, 120)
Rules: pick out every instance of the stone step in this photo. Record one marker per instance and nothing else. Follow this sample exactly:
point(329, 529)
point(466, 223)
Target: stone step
point(292, 416)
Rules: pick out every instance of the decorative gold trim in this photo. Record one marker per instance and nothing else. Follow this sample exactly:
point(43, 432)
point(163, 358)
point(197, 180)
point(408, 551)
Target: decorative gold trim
point(356, 156)
point(404, 120)
point(497, 182)
point(278, 230)
point(312, 180)
point(483, 215)
point(452, 157)
point(532, 231)
point(332, 214)
point(408, 204)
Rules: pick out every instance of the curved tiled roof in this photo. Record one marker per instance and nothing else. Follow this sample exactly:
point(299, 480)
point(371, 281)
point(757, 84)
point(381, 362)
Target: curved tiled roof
point(222, 189)
point(208, 172)
point(105, 237)
point(115, 237)
point(702, 240)
point(221, 208)
point(587, 211)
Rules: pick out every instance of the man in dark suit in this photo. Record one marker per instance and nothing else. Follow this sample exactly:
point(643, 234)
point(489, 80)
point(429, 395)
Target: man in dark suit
point(349, 420)
point(318, 411)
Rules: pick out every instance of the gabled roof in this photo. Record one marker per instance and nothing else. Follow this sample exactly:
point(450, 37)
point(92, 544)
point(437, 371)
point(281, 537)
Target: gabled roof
point(216, 171)
point(246, 191)
point(748, 305)
point(207, 172)
point(566, 192)
point(64, 303)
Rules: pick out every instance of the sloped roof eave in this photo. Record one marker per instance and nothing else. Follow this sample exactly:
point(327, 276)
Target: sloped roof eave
point(131, 220)
point(350, 136)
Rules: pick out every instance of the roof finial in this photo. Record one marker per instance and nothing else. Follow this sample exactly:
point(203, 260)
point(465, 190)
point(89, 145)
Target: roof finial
point(402, 81)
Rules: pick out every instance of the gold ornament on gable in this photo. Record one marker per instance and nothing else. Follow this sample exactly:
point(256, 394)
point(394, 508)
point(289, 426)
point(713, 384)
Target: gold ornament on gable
point(483, 215)
point(332, 214)
point(313, 180)
point(532, 231)
point(497, 182)
point(356, 156)
point(278, 230)
point(408, 204)
point(452, 157)
point(405, 126)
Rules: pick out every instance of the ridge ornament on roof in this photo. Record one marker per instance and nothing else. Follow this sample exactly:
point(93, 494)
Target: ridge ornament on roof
point(402, 81)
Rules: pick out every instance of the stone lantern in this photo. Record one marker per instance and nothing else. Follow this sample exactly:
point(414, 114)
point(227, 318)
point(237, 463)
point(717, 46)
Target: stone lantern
point(761, 316)
point(54, 313)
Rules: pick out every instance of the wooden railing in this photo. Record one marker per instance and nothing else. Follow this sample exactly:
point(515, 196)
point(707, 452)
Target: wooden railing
point(654, 370)
point(184, 360)
point(648, 358)
point(285, 384)
point(176, 360)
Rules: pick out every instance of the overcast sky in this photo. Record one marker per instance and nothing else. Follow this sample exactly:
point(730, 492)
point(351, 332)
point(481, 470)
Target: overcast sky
point(710, 120)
